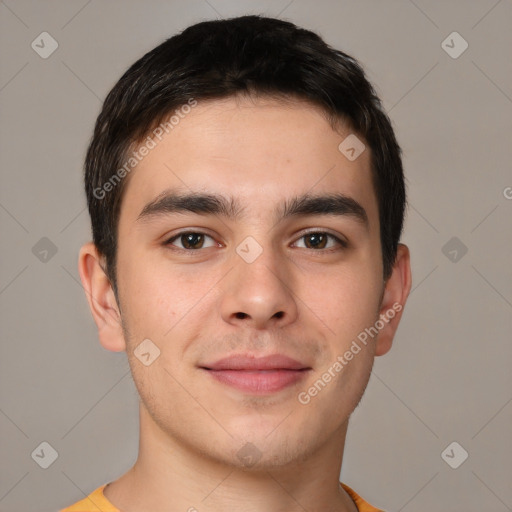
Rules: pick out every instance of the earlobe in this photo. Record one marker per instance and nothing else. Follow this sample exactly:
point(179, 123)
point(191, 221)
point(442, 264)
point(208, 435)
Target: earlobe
point(101, 298)
point(396, 291)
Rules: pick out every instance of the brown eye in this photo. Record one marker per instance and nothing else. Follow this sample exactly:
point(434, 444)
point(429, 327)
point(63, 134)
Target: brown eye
point(320, 239)
point(316, 241)
point(190, 240)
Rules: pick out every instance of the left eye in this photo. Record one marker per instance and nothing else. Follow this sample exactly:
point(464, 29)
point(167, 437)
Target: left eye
point(191, 240)
point(319, 240)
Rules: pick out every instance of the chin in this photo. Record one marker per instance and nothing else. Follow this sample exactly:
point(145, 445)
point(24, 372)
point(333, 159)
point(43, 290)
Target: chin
point(269, 451)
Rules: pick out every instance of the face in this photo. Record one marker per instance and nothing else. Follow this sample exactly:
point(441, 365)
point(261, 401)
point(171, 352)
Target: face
point(267, 275)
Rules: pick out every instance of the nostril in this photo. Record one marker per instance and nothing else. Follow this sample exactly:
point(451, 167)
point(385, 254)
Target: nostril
point(240, 315)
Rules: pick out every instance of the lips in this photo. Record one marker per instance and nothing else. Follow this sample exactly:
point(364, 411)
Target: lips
point(247, 362)
point(257, 375)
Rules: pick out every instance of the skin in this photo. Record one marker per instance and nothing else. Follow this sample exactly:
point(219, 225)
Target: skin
point(306, 302)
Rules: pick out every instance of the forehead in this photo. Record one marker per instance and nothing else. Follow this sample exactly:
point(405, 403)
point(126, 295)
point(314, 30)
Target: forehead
point(260, 150)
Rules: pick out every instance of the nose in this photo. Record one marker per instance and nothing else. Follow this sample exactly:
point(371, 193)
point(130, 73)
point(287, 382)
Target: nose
point(259, 294)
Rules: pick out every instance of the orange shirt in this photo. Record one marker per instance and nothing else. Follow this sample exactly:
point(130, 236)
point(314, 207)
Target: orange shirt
point(97, 502)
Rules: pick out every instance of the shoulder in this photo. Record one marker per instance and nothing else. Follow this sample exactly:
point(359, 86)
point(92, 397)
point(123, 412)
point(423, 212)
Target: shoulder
point(362, 505)
point(95, 502)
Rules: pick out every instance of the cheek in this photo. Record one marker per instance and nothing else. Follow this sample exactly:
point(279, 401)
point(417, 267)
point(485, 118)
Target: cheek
point(142, 290)
point(346, 300)
point(157, 296)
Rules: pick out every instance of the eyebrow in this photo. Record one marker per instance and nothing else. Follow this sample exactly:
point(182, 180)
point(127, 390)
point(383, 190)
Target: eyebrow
point(169, 202)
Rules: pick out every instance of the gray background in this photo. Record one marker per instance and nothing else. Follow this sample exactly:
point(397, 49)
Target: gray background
point(448, 375)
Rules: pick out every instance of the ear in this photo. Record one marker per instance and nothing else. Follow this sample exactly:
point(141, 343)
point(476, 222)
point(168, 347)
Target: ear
point(101, 298)
point(396, 291)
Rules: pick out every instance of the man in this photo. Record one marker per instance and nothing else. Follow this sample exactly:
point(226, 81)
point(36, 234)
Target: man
point(247, 198)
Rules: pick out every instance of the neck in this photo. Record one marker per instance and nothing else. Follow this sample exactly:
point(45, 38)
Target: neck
point(169, 475)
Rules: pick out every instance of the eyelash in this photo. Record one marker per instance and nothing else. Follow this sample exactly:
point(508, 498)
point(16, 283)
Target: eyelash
point(341, 242)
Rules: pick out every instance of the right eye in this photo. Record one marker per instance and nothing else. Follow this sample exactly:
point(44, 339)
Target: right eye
point(190, 240)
